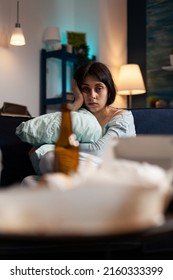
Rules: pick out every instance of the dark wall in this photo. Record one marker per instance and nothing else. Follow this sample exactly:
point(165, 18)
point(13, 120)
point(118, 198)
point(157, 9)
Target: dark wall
point(136, 40)
point(159, 44)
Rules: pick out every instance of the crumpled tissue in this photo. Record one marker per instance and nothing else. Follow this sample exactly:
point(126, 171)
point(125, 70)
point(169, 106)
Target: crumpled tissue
point(120, 196)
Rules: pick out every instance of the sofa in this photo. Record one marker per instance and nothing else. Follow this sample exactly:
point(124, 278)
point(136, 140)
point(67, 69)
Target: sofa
point(155, 243)
point(16, 163)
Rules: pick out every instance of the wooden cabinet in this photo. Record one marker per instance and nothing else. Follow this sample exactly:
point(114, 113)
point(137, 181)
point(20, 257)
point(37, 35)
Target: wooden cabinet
point(64, 57)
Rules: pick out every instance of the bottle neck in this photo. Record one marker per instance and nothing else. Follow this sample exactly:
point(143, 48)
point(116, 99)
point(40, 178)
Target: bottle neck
point(66, 122)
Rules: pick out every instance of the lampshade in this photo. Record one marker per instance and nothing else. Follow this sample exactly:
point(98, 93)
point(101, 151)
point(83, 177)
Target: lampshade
point(52, 33)
point(130, 81)
point(51, 37)
point(17, 38)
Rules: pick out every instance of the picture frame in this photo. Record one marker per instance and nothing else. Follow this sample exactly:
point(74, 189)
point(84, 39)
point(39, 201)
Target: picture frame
point(76, 39)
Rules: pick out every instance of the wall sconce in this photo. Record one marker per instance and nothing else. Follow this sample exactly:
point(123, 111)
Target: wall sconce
point(130, 81)
point(17, 38)
point(52, 38)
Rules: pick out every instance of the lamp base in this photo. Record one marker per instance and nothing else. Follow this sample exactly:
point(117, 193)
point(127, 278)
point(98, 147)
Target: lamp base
point(130, 100)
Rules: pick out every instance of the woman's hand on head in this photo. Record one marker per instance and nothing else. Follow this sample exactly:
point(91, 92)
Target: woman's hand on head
point(78, 97)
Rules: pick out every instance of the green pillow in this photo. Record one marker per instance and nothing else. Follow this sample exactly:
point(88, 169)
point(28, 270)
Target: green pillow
point(45, 128)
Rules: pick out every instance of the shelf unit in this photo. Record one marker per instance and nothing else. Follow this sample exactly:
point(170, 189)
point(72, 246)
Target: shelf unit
point(65, 57)
point(168, 68)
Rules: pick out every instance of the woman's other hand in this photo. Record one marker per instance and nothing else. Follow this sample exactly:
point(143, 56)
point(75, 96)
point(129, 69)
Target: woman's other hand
point(78, 97)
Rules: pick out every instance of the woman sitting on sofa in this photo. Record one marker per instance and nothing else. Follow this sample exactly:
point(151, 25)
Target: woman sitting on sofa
point(94, 89)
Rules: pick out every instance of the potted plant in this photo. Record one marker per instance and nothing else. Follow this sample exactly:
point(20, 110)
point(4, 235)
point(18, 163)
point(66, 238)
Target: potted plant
point(171, 57)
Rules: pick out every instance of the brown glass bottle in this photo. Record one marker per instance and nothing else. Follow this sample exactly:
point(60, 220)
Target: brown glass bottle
point(66, 147)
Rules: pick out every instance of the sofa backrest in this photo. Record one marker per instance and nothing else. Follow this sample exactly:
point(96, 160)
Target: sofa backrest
point(16, 163)
point(153, 120)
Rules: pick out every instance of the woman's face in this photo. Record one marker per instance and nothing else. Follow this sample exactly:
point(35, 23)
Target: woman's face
point(95, 94)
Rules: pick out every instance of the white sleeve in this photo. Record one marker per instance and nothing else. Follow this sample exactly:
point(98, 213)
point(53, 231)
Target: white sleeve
point(121, 125)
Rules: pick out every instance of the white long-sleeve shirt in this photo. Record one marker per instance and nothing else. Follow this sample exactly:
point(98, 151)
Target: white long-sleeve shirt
point(121, 125)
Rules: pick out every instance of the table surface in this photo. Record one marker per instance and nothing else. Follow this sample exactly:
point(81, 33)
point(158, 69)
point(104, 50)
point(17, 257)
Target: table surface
point(137, 245)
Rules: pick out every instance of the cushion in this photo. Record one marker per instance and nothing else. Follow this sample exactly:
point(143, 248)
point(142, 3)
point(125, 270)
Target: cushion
point(38, 154)
point(45, 128)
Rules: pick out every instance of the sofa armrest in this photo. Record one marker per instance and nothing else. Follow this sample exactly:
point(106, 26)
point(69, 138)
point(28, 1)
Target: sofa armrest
point(15, 160)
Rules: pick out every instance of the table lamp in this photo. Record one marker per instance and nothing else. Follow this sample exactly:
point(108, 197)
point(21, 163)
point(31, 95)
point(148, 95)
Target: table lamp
point(130, 81)
point(51, 38)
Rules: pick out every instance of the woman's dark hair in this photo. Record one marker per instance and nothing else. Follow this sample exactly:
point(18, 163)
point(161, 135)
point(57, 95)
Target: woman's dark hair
point(102, 74)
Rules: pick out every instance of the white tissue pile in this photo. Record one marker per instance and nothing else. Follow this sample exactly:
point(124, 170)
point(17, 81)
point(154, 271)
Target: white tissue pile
point(120, 197)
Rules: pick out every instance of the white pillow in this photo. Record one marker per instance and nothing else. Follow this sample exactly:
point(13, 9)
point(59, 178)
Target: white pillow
point(47, 167)
point(38, 154)
point(45, 128)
